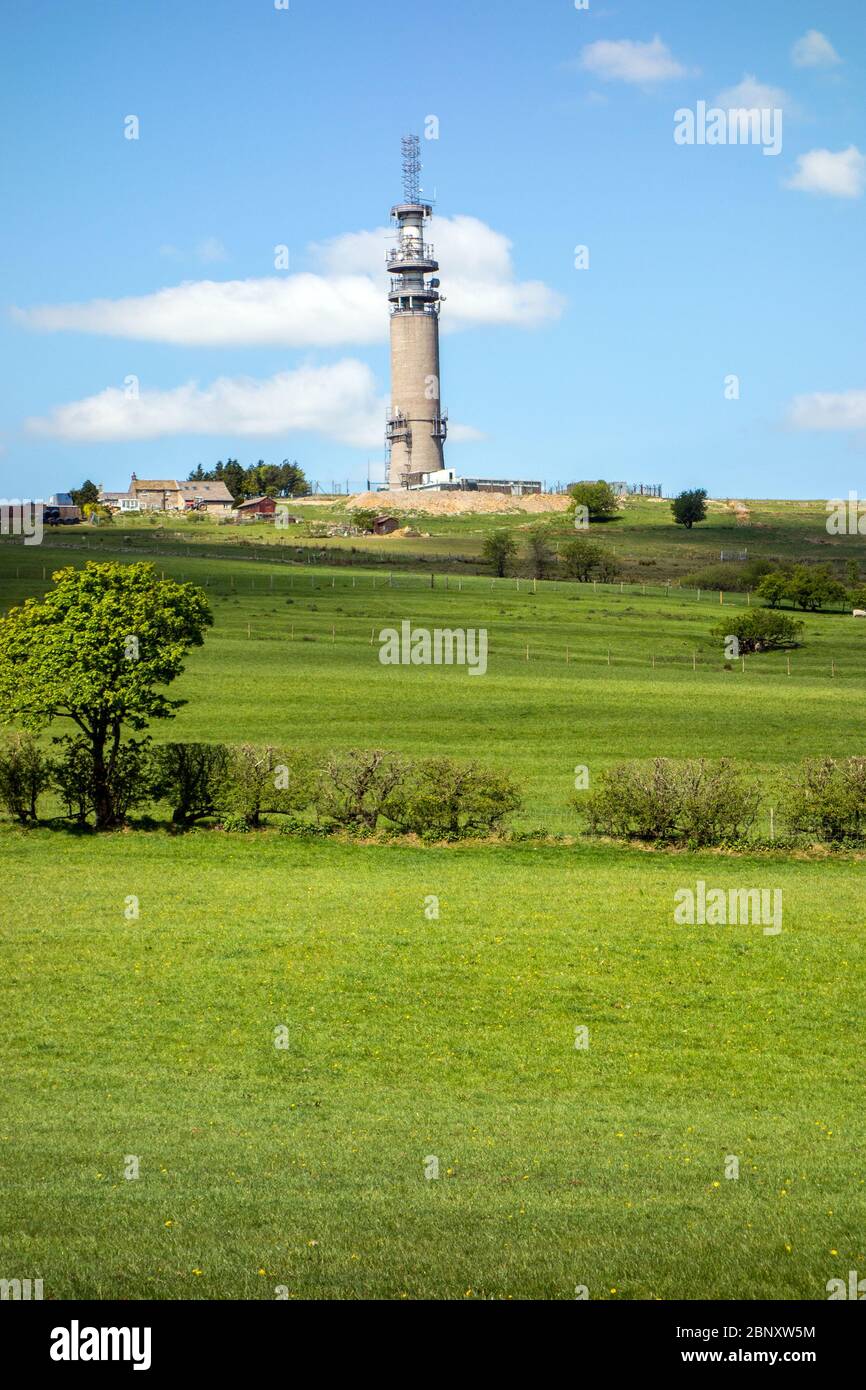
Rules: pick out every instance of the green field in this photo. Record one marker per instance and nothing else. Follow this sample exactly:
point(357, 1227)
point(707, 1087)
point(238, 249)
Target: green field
point(645, 542)
point(411, 1038)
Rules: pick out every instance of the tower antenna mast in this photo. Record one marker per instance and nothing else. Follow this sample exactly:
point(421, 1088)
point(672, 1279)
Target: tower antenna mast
point(411, 149)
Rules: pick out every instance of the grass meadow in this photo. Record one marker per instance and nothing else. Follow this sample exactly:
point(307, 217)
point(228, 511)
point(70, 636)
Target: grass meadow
point(301, 1169)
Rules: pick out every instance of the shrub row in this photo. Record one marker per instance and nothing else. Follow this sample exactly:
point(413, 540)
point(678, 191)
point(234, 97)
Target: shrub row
point(702, 802)
point(363, 790)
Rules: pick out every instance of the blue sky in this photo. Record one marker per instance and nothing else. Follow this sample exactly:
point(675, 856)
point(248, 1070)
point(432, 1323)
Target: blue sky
point(260, 128)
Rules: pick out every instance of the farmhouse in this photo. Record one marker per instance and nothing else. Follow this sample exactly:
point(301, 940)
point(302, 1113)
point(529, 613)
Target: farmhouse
point(119, 501)
point(213, 498)
point(169, 495)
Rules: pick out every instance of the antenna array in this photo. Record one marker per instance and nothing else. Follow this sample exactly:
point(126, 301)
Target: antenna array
point(411, 149)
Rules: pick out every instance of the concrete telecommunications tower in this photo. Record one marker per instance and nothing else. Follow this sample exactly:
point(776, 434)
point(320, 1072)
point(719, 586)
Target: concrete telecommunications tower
point(417, 424)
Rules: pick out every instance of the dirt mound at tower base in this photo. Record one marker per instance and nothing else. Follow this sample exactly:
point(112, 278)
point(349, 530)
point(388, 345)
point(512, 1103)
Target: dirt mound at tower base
point(458, 503)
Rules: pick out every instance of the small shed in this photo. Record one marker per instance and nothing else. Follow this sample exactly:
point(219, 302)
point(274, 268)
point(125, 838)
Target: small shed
point(384, 525)
point(256, 507)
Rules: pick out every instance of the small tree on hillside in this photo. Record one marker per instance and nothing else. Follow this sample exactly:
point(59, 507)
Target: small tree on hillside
point(95, 650)
point(599, 499)
point(579, 558)
point(773, 588)
point(499, 549)
point(541, 556)
point(689, 507)
point(814, 586)
point(761, 630)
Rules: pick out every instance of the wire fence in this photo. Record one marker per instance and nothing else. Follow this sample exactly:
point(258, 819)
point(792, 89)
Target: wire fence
point(286, 577)
point(394, 578)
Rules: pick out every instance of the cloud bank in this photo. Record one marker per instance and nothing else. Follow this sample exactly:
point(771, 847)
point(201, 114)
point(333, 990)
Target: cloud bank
point(340, 402)
point(343, 305)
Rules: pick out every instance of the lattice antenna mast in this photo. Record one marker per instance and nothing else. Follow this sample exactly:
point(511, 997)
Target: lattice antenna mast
point(411, 150)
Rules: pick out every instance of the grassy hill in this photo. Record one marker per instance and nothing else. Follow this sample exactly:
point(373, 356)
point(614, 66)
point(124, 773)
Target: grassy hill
point(451, 1038)
point(646, 543)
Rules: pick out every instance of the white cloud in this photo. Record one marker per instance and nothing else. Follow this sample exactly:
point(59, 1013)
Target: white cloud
point(829, 410)
point(839, 175)
point(344, 305)
point(340, 401)
point(211, 249)
point(750, 94)
point(294, 311)
point(464, 434)
point(477, 273)
point(814, 50)
point(629, 60)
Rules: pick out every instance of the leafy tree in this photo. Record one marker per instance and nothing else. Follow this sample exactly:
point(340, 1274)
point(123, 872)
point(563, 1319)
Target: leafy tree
point(96, 650)
point(813, 586)
point(258, 480)
point(579, 558)
point(293, 482)
point(761, 630)
point(498, 550)
point(235, 478)
point(689, 507)
point(599, 499)
point(364, 518)
point(541, 556)
point(773, 588)
point(607, 569)
point(88, 492)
